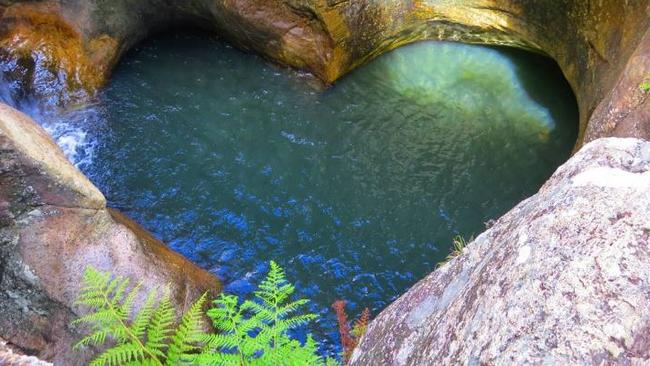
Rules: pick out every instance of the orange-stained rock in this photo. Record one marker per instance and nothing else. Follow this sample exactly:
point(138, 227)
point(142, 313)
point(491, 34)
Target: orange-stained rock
point(36, 38)
point(53, 223)
point(591, 41)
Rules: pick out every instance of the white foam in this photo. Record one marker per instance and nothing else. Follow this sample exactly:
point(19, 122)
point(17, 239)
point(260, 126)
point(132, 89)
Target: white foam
point(68, 129)
point(74, 142)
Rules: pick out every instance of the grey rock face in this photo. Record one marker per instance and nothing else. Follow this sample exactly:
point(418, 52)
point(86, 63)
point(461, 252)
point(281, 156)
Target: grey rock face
point(562, 279)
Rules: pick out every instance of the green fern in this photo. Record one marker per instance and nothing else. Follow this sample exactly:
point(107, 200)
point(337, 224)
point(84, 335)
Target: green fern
point(256, 332)
point(149, 338)
point(251, 333)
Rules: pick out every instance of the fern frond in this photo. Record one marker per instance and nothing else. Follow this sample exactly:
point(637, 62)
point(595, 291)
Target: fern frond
point(110, 308)
point(251, 333)
point(290, 352)
point(285, 310)
point(308, 353)
point(283, 325)
point(217, 359)
point(331, 362)
point(220, 341)
point(225, 314)
point(126, 306)
point(95, 339)
point(160, 326)
point(188, 333)
point(275, 288)
point(119, 355)
point(143, 318)
point(103, 315)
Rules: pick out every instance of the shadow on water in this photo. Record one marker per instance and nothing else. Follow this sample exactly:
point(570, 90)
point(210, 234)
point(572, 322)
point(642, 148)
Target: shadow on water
point(546, 85)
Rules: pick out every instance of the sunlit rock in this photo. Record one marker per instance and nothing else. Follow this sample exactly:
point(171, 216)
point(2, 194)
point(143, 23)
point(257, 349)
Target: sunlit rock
point(562, 279)
point(53, 223)
point(74, 44)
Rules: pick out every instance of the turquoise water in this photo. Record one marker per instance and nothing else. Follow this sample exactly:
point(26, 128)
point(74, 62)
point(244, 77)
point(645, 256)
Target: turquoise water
point(357, 190)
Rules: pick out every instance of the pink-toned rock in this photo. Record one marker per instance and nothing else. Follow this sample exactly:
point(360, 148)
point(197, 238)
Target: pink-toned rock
point(625, 111)
point(10, 357)
point(53, 223)
point(561, 279)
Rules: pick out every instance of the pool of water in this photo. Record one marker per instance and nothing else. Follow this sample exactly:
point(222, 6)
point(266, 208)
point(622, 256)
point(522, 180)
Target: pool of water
point(356, 190)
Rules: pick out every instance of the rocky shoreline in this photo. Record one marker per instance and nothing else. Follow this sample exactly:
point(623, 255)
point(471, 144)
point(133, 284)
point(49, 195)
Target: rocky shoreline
point(561, 279)
point(53, 220)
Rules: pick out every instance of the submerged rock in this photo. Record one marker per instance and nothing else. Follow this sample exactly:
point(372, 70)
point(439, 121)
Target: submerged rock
point(54, 222)
point(561, 279)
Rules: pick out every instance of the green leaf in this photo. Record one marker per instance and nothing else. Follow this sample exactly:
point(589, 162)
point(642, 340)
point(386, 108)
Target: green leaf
point(143, 318)
point(161, 325)
point(248, 333)
point(188, 333)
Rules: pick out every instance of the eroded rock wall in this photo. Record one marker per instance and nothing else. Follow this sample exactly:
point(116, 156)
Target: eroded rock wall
point(54, 222)
point(561, 279)
point(593, 41)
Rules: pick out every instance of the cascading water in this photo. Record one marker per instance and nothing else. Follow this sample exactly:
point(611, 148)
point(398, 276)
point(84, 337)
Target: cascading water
point(67, 126)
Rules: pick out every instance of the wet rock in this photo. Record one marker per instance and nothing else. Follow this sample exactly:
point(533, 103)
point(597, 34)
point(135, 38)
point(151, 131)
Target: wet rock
point(46, 57)
point(35, 171)
point(54, 222)
point(50, 45)
point(561, 279)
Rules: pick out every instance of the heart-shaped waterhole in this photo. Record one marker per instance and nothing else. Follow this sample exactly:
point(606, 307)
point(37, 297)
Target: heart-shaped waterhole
point(356, 190)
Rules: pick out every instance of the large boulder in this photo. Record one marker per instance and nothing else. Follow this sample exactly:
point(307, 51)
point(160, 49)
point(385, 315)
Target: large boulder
point(561, 279)
point(54, 222)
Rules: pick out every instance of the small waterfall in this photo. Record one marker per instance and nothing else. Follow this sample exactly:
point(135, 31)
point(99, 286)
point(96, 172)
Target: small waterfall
point(69, 126)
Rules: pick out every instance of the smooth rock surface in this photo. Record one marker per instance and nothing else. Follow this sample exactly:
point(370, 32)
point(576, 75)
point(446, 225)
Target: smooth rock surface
point(54, 222)
point(561, 279)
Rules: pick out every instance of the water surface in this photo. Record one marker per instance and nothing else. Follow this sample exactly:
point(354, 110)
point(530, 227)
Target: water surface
point(356, 190)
